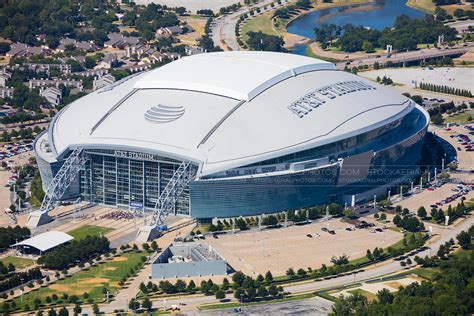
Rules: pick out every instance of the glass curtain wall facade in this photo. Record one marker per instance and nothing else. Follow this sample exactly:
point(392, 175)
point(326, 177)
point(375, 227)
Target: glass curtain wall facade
point(130, 183)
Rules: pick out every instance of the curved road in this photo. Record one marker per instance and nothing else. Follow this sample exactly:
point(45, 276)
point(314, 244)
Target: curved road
point(223, 28)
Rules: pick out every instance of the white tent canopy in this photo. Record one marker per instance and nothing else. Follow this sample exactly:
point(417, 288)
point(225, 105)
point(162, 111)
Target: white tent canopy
point(46, 241)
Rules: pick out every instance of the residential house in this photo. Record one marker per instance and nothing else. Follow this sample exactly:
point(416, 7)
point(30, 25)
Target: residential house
point(53, 95)
point(80, 45)
point(40, 83)
point(169, 31)
point(4, 77)
point(103, 81)
point(139, 50)
point(24, 50)
point(109, 61)
point(93, 73)
point(6, 92)
point(194, 50)
point(118, 40)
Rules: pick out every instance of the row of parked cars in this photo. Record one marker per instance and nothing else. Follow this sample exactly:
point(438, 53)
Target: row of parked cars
point(460, 190)
point(13, 149)
point(464, 140)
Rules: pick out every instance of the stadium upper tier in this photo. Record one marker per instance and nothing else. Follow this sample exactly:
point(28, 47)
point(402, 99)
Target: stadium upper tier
point(225, 110)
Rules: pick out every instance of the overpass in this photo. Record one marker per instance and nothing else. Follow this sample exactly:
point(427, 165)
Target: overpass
point(404, 58)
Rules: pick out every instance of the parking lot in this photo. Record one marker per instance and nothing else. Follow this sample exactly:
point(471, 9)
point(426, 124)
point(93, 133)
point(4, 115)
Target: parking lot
point(427, 198)
point(256, 252)
point(465, 158)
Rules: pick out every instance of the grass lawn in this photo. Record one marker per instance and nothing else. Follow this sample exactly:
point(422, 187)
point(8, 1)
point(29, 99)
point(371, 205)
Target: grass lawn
point(425, 5)
point(460, 118)
point(261, 23)
point(89, 230)
point(19, 263)
point(426, 273)
point(310, 53)
point(92, 281)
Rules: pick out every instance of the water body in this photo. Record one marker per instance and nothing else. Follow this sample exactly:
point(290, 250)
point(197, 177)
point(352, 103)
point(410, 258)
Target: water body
point(375, 15)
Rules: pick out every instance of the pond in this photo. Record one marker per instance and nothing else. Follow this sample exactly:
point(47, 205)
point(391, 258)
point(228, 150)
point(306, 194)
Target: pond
point(375, 15)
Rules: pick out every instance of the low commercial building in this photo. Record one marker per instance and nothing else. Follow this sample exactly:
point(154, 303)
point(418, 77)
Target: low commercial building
point(188, 260)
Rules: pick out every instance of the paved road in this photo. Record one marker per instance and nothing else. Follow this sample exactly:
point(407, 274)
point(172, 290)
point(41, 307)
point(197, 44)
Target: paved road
point(223, 28)
point(312, 306)
point(421, 54)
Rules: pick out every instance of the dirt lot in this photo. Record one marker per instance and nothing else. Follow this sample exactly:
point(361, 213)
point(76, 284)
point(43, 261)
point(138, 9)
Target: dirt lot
point(278, 249)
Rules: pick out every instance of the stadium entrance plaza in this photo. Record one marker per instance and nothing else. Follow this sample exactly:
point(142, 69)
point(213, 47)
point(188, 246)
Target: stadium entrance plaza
point(123, 230)
point(256, 252)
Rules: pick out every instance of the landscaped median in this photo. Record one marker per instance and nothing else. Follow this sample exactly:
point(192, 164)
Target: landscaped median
point(234, 304)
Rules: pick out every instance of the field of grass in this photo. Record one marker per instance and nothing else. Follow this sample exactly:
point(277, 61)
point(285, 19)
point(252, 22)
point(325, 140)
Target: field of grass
point(92, 281)
point(310, 53)
point(424, 5)
point(460, 118)
point(89, 230)
point(19, 263)
point(261, 23)
point(426, 273)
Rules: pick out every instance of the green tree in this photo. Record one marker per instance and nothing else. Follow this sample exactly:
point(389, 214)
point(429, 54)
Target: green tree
point(147, 304)
point(95, 309)
point(422, 212)
point(385, 297)
point(464, 239)
point(290, 273)
point(134, 305)
point(220, 294)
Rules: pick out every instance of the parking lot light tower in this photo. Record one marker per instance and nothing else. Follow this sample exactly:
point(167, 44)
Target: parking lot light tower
point(421, 183)
point(411, 189)
point(375, 200)
point(401, 192)
point(388, 198)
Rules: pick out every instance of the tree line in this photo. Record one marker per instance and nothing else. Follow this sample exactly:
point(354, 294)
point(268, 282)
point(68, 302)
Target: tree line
point(74, 252)
point(10, 235)
point(406, 34)
point(19, 278)
point(445, 89)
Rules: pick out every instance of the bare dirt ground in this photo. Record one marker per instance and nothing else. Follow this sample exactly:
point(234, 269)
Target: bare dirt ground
point(277, 250)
